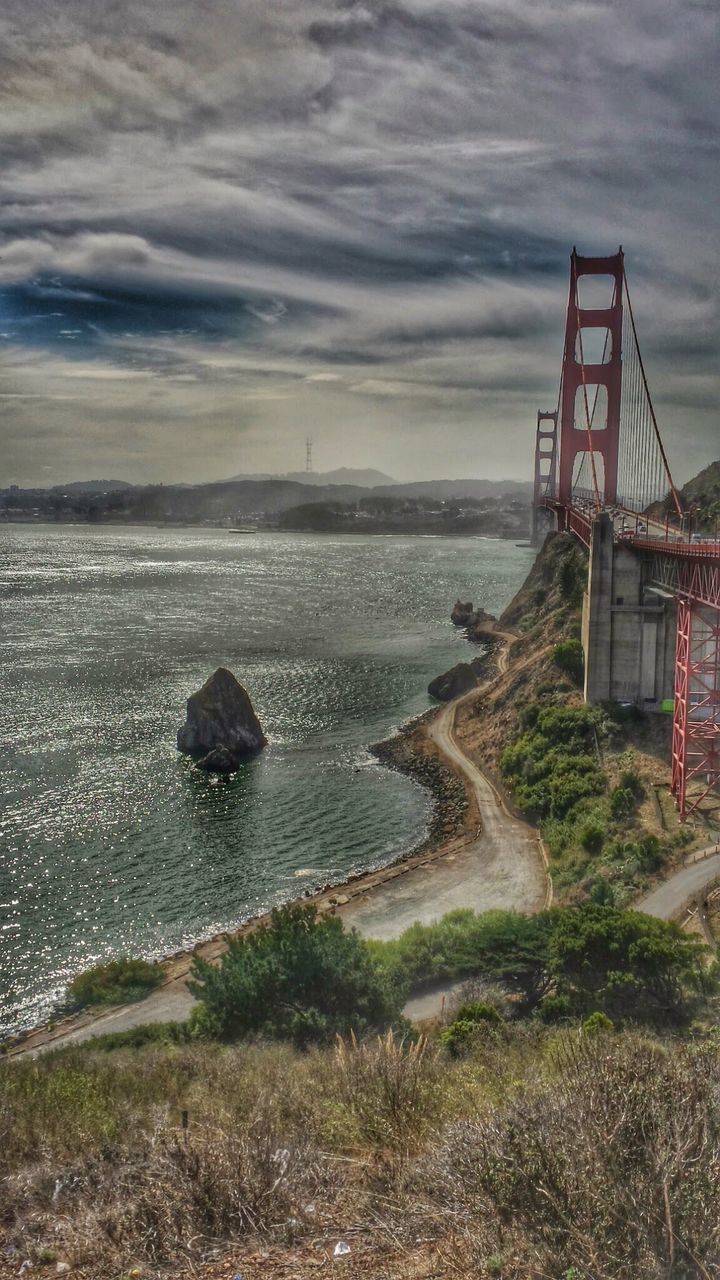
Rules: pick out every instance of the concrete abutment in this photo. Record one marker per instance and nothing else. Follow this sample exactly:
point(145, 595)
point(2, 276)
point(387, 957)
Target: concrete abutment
point(628, 626)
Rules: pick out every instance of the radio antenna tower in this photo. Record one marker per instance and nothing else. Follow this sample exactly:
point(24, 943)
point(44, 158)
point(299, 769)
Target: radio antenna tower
point(308, 454)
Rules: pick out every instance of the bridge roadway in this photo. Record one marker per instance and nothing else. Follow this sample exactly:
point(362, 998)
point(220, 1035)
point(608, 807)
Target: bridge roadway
point(638, 530)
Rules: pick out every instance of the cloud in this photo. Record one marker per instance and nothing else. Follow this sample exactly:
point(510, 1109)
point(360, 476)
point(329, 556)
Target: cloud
point(84, 254)
point(358, 212)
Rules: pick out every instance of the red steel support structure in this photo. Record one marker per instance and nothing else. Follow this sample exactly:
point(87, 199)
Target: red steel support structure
point(687, 569)
point(604, 437)
point(696, 718)
point(545, 457)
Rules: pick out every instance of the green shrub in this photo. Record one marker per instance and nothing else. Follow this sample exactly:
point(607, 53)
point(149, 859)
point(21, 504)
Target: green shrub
point(597, 1024)
point(592, 836)
point(160, 1033)
point(299, 977)
point(571, 580)
point(630, 781)
point(602, 893)
point(626, 964)
point(555, 1008)
point(622, 802)
point(471, 1021)
point(114, 983)
point(478, 1011)
point(568, 656)
point(460, 1036)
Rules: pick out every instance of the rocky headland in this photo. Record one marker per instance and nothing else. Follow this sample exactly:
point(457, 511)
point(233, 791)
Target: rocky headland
point(475, 621)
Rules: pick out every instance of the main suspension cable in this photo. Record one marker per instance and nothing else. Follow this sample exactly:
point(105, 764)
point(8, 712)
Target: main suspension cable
point(658, 438)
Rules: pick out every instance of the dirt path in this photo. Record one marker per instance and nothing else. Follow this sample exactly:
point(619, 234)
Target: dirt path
point(502, 867)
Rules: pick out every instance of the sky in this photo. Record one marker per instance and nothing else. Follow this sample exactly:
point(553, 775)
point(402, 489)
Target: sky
point(229, 224)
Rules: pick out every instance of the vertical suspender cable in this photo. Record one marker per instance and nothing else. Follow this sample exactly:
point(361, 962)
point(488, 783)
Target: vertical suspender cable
point(673, 490)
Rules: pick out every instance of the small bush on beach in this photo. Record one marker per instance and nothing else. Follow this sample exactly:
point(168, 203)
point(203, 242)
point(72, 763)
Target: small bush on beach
point(299, 977)
point(116, 982)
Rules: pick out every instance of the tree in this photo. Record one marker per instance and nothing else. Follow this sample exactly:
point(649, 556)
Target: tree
point(297, 977)
point(625, 963)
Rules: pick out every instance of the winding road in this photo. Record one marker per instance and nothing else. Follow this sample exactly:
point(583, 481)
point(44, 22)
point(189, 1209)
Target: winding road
point(502, 867)
point(668, 899)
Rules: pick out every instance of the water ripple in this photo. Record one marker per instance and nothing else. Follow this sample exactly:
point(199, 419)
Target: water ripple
point(110, 842)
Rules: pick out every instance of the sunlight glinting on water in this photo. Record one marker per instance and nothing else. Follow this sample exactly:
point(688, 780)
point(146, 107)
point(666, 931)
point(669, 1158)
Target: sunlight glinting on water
point(110, 842)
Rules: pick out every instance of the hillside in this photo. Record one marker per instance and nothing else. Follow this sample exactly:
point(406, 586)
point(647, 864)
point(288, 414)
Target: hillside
point(595, 780)
point(702, 494)
point(540, 1154)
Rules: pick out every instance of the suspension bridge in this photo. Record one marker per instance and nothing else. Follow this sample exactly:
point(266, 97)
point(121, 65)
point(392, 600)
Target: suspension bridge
point(651, 613)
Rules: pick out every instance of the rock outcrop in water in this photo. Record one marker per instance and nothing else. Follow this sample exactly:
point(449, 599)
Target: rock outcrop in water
point(461, 613)
point(452, 683)
point(221, 728)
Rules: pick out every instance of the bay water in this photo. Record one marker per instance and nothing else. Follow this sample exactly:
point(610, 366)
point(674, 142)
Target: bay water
point(111, 843)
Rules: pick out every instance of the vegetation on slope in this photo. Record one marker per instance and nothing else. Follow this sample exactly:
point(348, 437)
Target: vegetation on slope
point(570, 775)
point(116, 982)
point(506, 1147)
point(590, 1155)
point(586, 776)
point(701, 497)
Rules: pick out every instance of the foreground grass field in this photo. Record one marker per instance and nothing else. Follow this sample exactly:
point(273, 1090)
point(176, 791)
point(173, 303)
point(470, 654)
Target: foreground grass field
point(540, 1153)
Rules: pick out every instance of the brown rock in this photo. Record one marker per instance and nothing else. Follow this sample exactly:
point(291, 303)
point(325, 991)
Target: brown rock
point(451, 684)
point(461, 613)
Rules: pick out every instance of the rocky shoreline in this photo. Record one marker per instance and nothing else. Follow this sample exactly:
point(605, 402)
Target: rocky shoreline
point(453, 822)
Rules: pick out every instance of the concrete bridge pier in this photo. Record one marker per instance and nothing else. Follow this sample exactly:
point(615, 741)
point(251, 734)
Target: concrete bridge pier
point(628, 626)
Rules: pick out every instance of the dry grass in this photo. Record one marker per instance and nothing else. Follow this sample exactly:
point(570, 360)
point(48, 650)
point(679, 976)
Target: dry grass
point(542, 1152)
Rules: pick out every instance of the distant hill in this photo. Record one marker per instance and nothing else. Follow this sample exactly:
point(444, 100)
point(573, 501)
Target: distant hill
point(360, 478)
point(262, 500)
point(706, 481)
point(380, 483)
point(92, 486)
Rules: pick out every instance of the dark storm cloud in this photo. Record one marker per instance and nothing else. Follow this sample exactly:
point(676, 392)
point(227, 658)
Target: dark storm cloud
point(235, 222)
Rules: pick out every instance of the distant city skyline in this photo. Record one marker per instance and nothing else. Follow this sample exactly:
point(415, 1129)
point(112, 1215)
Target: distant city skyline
point(227, 228)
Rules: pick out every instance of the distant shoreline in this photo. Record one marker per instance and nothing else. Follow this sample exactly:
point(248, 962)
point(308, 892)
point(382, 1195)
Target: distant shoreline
point(507, 536)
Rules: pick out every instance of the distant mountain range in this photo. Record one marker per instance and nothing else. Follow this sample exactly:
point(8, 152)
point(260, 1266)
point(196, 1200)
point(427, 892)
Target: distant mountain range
point(350, 479)
point(380, 483)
